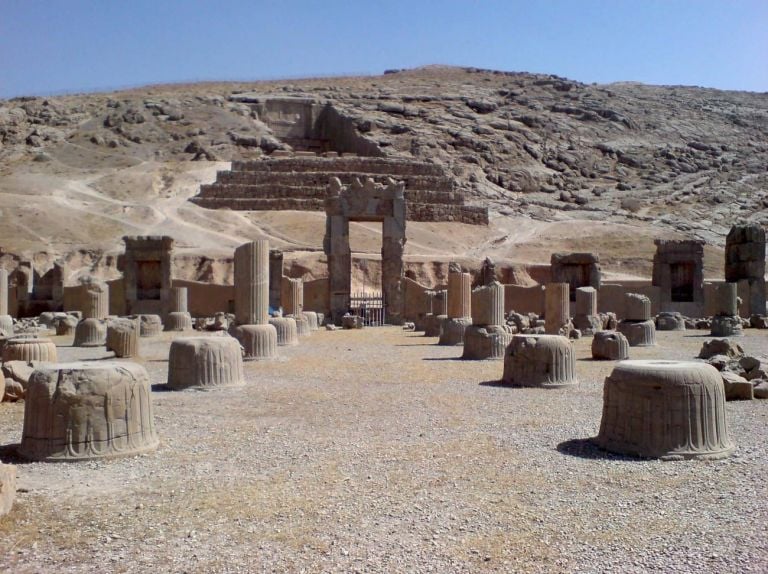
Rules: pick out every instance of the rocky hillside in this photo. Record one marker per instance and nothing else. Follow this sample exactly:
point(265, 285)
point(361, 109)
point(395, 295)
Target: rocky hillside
point(560, 164)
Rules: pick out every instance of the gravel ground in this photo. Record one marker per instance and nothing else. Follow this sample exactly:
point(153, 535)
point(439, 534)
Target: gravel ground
point(379, 451)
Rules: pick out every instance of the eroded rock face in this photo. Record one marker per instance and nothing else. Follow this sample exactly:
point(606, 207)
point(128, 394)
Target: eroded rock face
point(81, 411)
point(726, 347)
point(665, 409)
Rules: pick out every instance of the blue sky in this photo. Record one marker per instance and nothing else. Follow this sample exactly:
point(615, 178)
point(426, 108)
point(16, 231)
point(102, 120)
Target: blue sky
point(56, 46)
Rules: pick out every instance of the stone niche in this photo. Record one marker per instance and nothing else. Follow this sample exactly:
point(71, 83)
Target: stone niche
point(366, 201)
point(146, 268)
point(678, 271)
point(37, 290)
point(745, 265)
point(576, 269)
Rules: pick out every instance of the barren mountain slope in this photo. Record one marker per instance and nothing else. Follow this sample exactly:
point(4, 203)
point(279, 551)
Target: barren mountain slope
point(561, 165)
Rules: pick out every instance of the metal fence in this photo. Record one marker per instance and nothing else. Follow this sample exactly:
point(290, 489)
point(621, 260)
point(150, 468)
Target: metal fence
point(370, 306)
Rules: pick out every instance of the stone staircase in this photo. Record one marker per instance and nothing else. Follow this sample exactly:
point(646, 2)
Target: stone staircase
point(300, 183)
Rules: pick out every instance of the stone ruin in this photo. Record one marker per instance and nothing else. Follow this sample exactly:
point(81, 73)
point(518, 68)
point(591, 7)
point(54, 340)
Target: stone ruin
point(300, 183)
point(488, 335)
point(256, 335)
point(637, 325)
point(745, 265)
point(146, 267)
point(557, 309)
point(459, 307)
point(82, 411)
point(546, 361)
point(205, 362)
point(665, 409)
point(365, 201)
point(678, 271)
point(726, 321)
point(576, 269)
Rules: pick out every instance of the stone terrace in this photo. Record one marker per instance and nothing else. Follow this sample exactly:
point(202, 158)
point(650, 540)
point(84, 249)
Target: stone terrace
point(299, 183)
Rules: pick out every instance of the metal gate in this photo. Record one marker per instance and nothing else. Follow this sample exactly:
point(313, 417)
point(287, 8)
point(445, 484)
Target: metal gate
point(370, 306)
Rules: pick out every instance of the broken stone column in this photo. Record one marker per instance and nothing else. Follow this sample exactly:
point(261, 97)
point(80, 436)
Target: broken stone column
point(293, 296)
point(586, 318)
point(670, 321)
point(726, 321)
point(123, 337)
point(94, 300)
point(65, 325)
point(745, 261)
point(610, 346)
point(150, 325)
point(665, 409)
point(637, 326)
point(29, 349)
point(204, 362)
point(433, 322)
point(252, 283)
point(88, 410)
point(459, 307)
point(545, 361)
point(311, 318)
point(177, 318)
point(287, 332)
point(90, 333)
point(256, 335)
point(6, 321)
point(557, 309)
point(259, 341)
point(488, 336)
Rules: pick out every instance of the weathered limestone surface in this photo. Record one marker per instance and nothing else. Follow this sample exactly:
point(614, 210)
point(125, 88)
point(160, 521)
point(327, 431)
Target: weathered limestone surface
point(725, 299)
point(745, 261)
point(293, 296)
point(252, 283)
point(637, 307)
point(3, 292)
point(90, 333)
point(258, 341)
point(665, 409)
point(638, 333)
point(29, 349)
point(678, 271)
point(302, 325)
point(586, 318)
point(311, 318)
point(94, 300)
point(7, 487)
point(723, 326)
point(610, 345)
point(123, 337)
point(66, 325)
point(366, 201)
point(459, 295)
point(576, 269)
point(150, 325)
point(486, 342)
point(146, 267)
point(287, 333)
point(205, 362)
point(670, 321)
point(557, 309)
point(452, 331)
point(177, 300)
point(540, 361)
point(298, 183)
point(488, 304)
point(178, 321)
point(81, 411)
point(6, 324)
point(433, 325)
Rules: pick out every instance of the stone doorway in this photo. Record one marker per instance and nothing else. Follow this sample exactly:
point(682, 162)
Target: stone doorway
point(366, 201)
